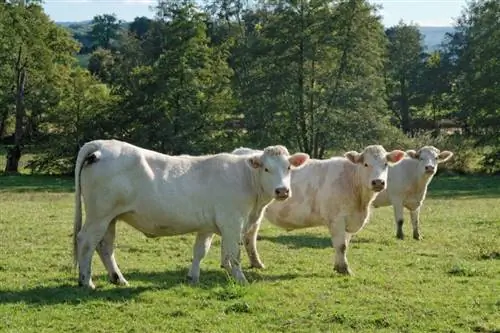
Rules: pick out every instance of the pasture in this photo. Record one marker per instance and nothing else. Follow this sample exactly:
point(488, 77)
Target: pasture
point(448, 282)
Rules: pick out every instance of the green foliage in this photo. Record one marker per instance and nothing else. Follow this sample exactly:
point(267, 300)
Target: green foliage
point(177, 94)
point(319, 77)
point(404, 73)
point(80, 116)
point(104, 30)
point(309, 75)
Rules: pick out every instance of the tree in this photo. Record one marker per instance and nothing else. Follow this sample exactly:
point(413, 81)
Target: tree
point(177, 92)
point(81, 114)
point(32, 48)
point(309, 74)
point(101, 63)
point(477, 45)
point(104, 30)
point(404, 70)
point(140, 26)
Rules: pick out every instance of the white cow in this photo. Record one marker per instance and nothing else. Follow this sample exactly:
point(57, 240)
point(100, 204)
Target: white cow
point(163, 195)
point(336, 193)
point(407, 185)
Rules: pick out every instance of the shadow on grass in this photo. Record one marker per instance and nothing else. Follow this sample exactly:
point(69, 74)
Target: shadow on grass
point(310, 241)
point(300, 240)
point(481, 186)
point(68, 292)
point(35, 183)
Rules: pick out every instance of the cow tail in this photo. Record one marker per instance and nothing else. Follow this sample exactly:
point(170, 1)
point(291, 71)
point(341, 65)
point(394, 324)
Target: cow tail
point(88, 154)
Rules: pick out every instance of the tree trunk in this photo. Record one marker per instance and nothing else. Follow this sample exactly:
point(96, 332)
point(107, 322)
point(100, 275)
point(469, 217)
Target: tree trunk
point(3, 121)
point(301, 86)
point(405, 108)
point(14, 153)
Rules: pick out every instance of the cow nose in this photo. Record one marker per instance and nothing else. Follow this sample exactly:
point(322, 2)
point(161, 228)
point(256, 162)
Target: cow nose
point(282, 192)
point(378, 184)
point(429, 168)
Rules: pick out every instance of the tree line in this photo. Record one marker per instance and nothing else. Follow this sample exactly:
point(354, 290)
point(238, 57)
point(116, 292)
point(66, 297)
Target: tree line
point(315, 75)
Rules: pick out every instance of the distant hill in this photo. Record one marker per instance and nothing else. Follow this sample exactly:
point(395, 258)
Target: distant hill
point(433, 36)
point(69, 23)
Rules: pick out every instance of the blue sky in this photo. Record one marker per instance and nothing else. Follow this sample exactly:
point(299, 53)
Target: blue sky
point(422, 12)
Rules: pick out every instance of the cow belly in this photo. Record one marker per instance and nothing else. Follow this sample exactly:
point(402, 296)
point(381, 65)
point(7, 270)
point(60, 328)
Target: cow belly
point(152, 226)
point(294, 220)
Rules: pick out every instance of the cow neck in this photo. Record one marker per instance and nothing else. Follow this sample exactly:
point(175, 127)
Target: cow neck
point(419, 183)
point(260, 197)
point(363, 196)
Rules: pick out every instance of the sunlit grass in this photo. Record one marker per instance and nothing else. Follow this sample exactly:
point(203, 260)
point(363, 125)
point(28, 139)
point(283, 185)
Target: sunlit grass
point(448, 282)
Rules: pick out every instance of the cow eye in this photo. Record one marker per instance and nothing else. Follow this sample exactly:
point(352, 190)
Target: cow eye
point(366, 164)
point(266, 170)
point(385, 164)
point(289, 168)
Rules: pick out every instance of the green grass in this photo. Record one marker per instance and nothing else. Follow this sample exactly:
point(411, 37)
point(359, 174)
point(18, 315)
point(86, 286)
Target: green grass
point(448, 282)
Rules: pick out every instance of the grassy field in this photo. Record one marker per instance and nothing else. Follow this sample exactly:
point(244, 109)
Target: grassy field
point(448, 282)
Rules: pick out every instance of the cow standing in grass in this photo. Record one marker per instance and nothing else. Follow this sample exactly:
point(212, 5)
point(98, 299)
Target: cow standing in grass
point(163, 195)
point(407, 185)
point(336, 193)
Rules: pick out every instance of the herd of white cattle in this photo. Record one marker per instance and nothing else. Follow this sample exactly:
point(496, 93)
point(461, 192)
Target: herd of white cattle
point(230, 193)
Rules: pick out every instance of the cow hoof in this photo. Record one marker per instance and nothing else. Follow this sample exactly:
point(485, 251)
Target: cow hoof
point(400, 236)
point(257, 265)
point(343, 269)
point(192, 280)
point(242, 281)
point(417, 236)
point(119, 281)
point(89, 286)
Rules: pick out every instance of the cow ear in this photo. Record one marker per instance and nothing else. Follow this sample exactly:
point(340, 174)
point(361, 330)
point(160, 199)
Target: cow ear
point(395, 156)
point(412, 154)
point(299, 159)
point(444, 156)
point(354, 156)
point(254, 162)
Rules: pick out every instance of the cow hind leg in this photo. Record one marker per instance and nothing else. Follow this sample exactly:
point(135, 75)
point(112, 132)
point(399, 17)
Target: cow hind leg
point(105, 249)
point(91, 234)
point(200, 250)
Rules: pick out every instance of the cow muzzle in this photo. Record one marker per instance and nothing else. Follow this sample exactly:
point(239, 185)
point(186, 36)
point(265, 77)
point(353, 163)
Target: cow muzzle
point(282, 193)
point(378, 185)
point(429, 169)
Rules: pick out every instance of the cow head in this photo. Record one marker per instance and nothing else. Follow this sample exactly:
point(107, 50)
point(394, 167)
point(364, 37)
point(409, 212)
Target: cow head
point(428, 159)
point(373, 162)
point(274, 167)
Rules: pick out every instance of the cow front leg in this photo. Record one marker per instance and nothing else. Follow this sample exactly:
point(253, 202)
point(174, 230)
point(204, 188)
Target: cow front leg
point(340, 241)
point(230, 249)
point(200, 250)
point(415, 222)
point(105, 249)
point(398, 217)
point(250, 240)
point(91, 234)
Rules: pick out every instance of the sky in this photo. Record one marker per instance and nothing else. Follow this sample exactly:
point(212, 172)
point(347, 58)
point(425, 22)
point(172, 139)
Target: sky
point(421, 12)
